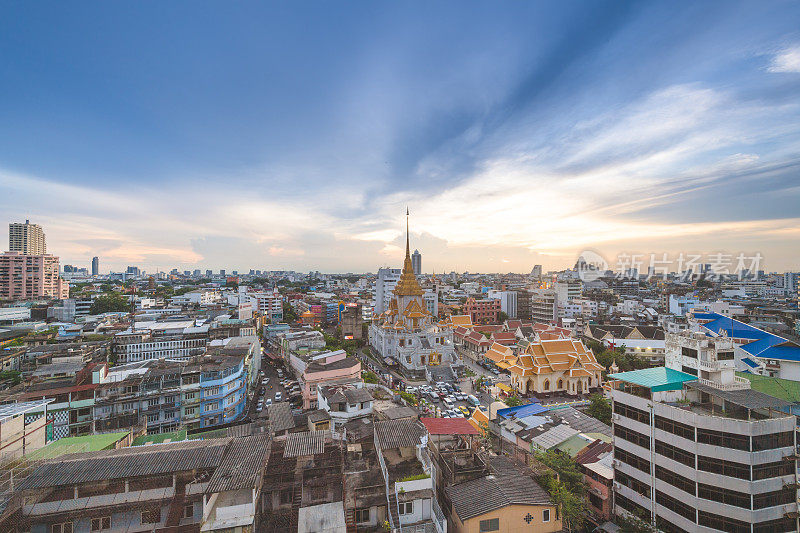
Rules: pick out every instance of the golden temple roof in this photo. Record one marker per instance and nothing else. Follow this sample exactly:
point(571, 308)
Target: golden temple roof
point(408, 284)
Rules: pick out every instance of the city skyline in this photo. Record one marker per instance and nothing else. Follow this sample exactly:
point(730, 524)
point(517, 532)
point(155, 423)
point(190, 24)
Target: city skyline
point(518, 135)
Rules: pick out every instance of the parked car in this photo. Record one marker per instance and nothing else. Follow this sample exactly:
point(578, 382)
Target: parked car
point(464, 410)
point(267, 402)
point(448, 403)
point(278, 396)
point(473, 400)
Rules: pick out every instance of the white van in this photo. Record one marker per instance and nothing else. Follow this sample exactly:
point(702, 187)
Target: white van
point(473, 400)
point(449, 404)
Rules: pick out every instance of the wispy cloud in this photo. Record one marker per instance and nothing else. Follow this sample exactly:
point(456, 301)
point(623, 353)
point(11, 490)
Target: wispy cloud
point(786, 60)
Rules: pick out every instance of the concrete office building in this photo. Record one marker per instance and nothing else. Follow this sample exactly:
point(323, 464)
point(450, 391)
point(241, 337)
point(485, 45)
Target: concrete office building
point(95, 266)
point(26, 238)
point(702, 454)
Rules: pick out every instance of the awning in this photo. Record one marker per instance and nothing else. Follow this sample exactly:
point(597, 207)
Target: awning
point(503, 365)
point(504, 387)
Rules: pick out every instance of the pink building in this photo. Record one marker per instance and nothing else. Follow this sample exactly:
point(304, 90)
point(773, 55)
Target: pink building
point(28, 277)
point(338, 369)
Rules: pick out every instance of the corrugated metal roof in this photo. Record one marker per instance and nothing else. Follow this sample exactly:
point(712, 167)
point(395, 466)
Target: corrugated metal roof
point(399, 433)
point(306, 443)
point(554, 437)
point(242, 464)
point(127, 462)
point(657, 379)
point(747, 398)
point(280, 416)
point(487, 494)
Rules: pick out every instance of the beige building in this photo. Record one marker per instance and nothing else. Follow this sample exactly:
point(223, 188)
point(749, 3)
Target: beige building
point(505, 502)
point(26, 238)
point(560, 365)
point(23, 428)
point(28, 277)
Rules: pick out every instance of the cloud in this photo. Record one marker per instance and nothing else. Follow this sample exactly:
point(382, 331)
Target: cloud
point(786, 60)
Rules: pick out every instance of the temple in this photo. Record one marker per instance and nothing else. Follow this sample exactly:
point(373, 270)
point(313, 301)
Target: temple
point(407, 334)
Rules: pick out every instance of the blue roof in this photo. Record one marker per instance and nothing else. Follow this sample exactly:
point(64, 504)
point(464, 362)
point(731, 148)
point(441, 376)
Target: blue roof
point(749, 362)
point(521, 411)
point(764, 345)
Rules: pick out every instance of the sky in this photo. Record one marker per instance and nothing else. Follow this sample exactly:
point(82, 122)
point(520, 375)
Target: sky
point(293, 135)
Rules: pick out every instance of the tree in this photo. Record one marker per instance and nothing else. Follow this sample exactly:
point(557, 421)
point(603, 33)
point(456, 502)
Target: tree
point(369, 377)
point(289, 314)
point(567, 489)
point(513, 401)
point(599, 408)
point(502, 316)
point(632, 524)
point(109, 303)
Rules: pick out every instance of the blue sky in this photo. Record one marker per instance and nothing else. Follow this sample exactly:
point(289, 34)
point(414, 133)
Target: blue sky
point(293, 135)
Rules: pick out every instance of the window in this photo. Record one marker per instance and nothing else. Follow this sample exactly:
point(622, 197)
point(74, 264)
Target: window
point(152, 418)
point(547, 384)
point(724, 356)
point(721, 495)
point(688, 370)
point(632, 413)
point(779, 525)
point(769, 470)
point(211, 406)
point(723, 523)
point(632, 436)
point(406, 507)
point(362, 516)
point(676, 506)
point(676, 428)
point(631, 483)
point(63, 527)
point(726, 468)
point(675, 453)
point(633, 460)
point(773, 440)
point(689, 352)
point(676, 480)
point(771, 499)
point(493, 524)
point(188, 511)
point(726, 440)
point(546, 515)
point(101, 524)
point(151, 516)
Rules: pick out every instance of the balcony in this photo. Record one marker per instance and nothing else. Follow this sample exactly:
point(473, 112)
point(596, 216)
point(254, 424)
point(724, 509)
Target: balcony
point(738, 383)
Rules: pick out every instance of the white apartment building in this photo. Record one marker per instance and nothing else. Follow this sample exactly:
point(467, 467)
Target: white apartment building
point(544, 305)
point(568, 289)
point(384, 288)
point(160, 340)
point(702, 453)
point(431, 299)
point(508, 301)
point(200, 297)
point(270, 304)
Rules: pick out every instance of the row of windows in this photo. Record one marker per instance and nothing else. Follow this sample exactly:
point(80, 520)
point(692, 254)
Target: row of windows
point(771, 499)
point(676, 480)
point(668, 527)
point(632, 507)
point(633, 460)
point(723, 495)
point(632, 436)
point(632, 412)
point(773, 440)
point(676, 428)
point(676, 506)
point(676, 454)
point(723, 467)
point(724, 439)
point(632, 483)
point(723, 523)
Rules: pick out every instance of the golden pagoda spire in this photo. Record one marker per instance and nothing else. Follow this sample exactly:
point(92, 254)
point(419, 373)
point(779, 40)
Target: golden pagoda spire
point(407, 285)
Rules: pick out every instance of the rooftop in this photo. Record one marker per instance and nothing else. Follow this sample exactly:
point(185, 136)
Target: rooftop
point(656, 379)
point(746, 398)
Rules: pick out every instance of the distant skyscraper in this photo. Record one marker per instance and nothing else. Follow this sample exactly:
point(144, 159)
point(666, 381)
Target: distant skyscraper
point(416, 262)
point(537, 271)
point(26, 238)
point(95, 266)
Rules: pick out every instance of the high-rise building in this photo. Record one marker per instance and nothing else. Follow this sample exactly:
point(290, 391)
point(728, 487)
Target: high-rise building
point(95, 266)
point(28, 277)
point(384, 286)
point(416, 262)
point(26, 238)
point(537, 271)
point(698, 450)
